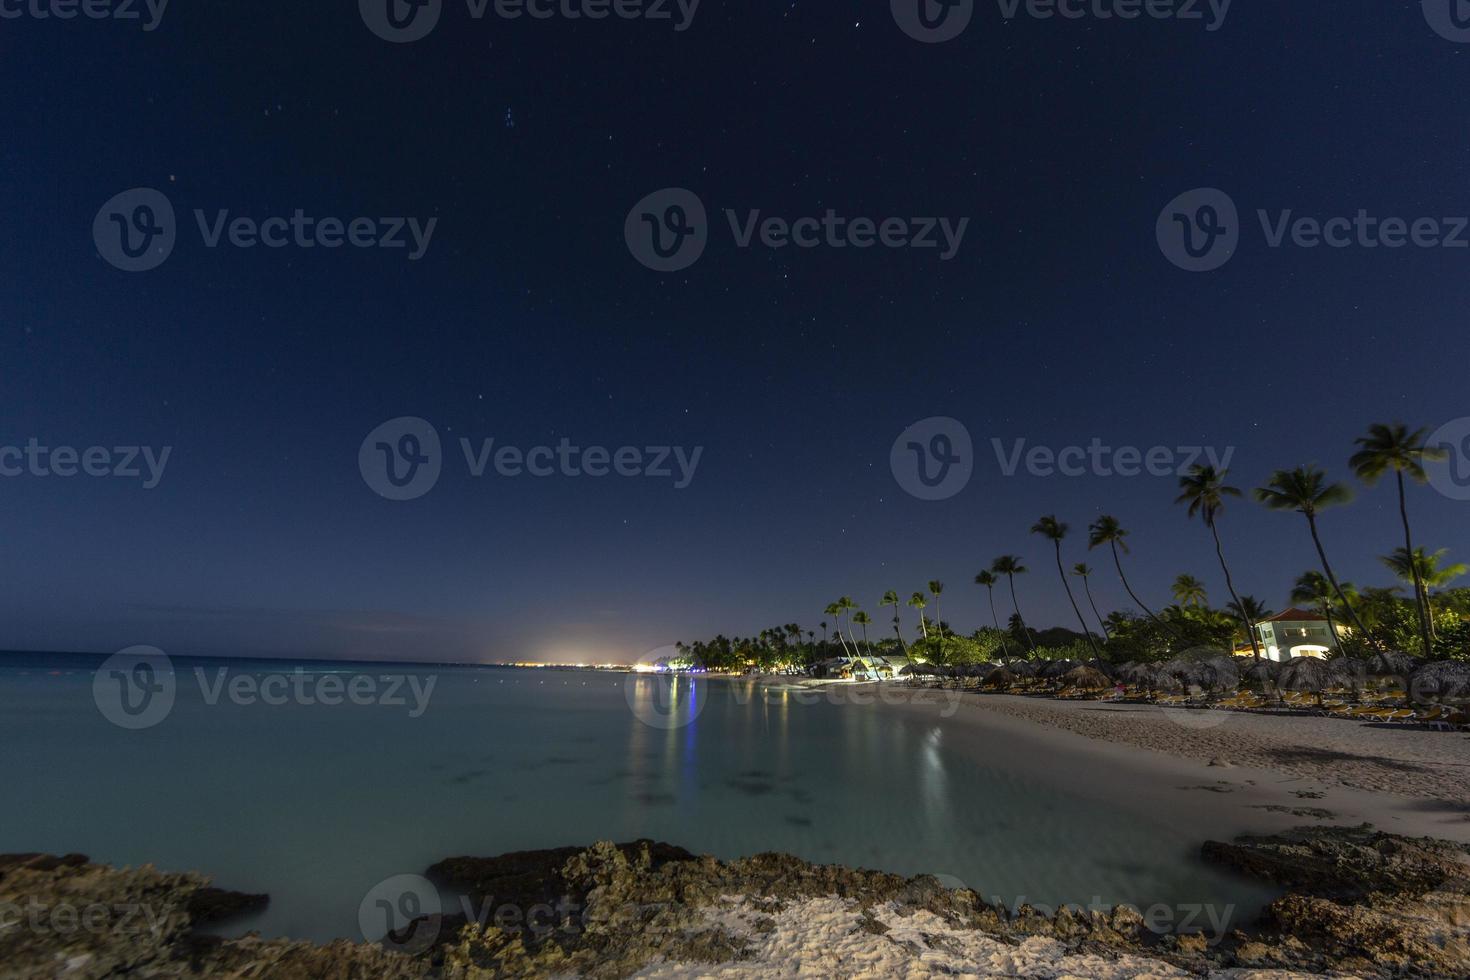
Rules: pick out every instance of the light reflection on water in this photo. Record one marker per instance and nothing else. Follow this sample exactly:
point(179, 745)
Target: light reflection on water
point(317, 804)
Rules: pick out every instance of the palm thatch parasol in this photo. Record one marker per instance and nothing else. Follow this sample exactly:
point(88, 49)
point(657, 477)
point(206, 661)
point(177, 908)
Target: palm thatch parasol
point(1441, 680)
point(1022, 668)
point(1162, 679)
point(1220, 673)
point(1260, 672)
point(1086, 677)
point(1132, 673)
point(999, 677)
point(1053, 669)
point(1305, 674)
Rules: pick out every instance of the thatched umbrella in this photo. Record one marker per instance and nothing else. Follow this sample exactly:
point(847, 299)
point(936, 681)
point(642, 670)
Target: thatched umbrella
point(1022, 668)
point(1349, 672)
point(1260, 672)
point(1132, 673)
point(1393, 663)
point(1220, 674)
point(917, 670)
point(978, 670)
point(1053, 669)
point(1442, 680)
point(1086, 677)
point(1305, 674)
point(999, 677)
point(1162, 679)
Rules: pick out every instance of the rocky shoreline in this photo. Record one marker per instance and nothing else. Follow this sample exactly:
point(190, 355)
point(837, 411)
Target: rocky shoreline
point(1358, 902)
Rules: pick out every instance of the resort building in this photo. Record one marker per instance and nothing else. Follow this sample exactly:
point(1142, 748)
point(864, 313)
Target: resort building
point(1295, 633)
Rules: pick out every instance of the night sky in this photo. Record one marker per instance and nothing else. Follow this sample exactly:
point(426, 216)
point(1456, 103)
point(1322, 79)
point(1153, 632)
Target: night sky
point(528, 320)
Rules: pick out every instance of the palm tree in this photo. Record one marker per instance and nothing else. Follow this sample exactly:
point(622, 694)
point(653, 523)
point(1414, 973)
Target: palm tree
point(846, 604)
point(1010, 566)
point(1313, 588)
point(1106, 530)
point(861, 618)
point(1249, 607)
point(917, 601)
point(936, 587)
point(834, 610)
point(988, 579)
point(1394, 447)
point(824, 626)
point(1054, 531)
point(1189, 592)
point(1427, 569)
point(890, 598)
point(1084, 573)
point(1204, 490)
point(1306, 491)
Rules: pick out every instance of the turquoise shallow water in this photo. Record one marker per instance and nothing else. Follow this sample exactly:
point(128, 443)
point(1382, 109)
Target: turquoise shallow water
point(316, 804)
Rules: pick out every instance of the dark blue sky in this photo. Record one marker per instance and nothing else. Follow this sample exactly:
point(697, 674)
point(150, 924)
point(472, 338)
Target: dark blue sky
point(528, 320)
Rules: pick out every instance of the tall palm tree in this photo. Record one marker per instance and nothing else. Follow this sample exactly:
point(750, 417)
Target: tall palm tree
point(1189, 592)
point(1394, 447)
point(1054, 531)
point(890, 598)
point(1306, 491)
point(1312, 588)
point(936, 588)
point(1428, 570)
point(823, 624)
point(846, 604)
point(918, 601)
point(861, 618)
point(1084, 573)
point(835, 611)
point(987, 578)
point(1204, 489)
point(1106, 530)
point(1010, 566)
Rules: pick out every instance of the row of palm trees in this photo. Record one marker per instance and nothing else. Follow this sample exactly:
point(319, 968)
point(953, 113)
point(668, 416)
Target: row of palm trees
point(1306, 490)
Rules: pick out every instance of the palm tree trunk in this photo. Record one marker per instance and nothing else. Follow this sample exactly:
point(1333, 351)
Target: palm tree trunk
point(1414, 568)
point(1352, 613)
point(1250, 628)
point(899, 633)
point(1005, 647)
point(1087, 587)
point(1129, 589)
point(1331, 626)
point(939, 626)
point(1030, 643)
point(837, 628)
point(1067, 586)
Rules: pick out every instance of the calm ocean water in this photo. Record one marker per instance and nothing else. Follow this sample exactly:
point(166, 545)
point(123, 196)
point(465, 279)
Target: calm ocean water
point(316, 803)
